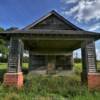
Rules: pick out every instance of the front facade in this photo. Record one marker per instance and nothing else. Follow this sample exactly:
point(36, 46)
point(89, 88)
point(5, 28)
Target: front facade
point(51, 41)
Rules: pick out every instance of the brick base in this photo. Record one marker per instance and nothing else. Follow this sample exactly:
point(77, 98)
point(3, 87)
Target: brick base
point(94, 80)
point(13, 79)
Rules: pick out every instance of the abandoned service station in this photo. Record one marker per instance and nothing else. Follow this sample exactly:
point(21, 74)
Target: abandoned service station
point(51, 41)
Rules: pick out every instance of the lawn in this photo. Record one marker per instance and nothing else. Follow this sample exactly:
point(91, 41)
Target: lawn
point(4, 65)
point(48, 87)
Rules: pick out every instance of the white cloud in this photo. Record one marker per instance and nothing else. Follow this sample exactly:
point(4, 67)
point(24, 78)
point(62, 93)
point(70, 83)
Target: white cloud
point(94, 27)
point(70, 1)
point(98, 54)
point(83, 10)
point(72, 10)
point(77, 53)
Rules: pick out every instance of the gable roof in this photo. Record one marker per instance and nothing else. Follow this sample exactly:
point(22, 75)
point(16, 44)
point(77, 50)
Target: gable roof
point(47, 16)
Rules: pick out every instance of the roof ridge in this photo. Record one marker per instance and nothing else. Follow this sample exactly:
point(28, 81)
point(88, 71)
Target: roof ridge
point(49, 14)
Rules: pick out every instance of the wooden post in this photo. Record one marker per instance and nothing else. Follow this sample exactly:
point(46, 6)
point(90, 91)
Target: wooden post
point(14, 76)
point(88, 56)
point(51, 65)
point(84, 63)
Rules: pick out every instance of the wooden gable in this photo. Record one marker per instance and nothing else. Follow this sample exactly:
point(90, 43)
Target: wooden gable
point(52, 21)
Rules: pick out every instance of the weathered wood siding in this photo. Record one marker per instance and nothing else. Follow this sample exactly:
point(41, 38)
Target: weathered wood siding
point(52, 22)
point(39, 62)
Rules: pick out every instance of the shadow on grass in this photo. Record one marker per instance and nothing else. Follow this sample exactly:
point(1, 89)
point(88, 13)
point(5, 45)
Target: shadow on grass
point(2, 72)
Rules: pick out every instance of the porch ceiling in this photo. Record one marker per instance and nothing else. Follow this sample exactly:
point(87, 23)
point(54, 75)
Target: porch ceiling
point(52, 45)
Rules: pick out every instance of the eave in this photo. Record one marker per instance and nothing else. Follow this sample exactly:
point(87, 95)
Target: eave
point(41, 33)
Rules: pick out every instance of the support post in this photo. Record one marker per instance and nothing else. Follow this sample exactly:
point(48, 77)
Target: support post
point(14, 76)
point(89, 64)
point(51, 65)
point(84, 64)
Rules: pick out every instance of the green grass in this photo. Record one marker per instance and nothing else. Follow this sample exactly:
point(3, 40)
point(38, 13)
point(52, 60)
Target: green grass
point(98, 66)
point(37, 87)
point(4, 65)
point(77, 66)
point(48, 87)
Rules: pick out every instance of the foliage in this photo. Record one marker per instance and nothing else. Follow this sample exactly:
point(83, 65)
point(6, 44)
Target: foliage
point(1, 29)
point(77, 68)
point(12, 28)
point(77, 60)
point(3, 46)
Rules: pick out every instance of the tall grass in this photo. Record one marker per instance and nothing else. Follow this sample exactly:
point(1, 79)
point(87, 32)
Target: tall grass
point(37, 87)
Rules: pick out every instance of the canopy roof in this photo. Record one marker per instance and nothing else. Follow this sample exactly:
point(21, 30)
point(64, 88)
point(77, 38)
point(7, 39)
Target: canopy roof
point(51, 34)
point(52, 20)
point(51, 24)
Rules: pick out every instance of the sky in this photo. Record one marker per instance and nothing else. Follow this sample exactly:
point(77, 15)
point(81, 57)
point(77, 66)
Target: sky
point(83, 13)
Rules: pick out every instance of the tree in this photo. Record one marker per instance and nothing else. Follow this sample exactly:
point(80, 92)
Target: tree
point(12, 28)
point(1, 29)
point(3, 46)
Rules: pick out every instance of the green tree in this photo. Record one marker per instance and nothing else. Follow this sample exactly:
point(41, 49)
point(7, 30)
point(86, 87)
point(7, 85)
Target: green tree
point(3, 46)
point(12, 28)
point(1, 29)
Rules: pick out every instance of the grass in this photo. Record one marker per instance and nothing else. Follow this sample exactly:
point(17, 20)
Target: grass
point(37, 87)
point(4, 66)
point(78, 67)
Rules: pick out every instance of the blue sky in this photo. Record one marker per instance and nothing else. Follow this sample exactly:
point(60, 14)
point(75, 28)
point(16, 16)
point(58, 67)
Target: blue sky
point(20, 13)
point(23, 12)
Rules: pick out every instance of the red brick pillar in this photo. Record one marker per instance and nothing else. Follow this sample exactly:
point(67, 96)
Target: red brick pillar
point(94, 80)
point(13, 79)
point(14, 75)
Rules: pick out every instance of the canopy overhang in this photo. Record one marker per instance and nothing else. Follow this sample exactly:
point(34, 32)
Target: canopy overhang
point(43, 33)
point(51, 41)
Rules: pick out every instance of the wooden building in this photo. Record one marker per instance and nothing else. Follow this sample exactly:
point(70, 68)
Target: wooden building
point(51, 41)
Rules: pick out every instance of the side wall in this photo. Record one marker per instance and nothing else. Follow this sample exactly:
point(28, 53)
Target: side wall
point(40, 62)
